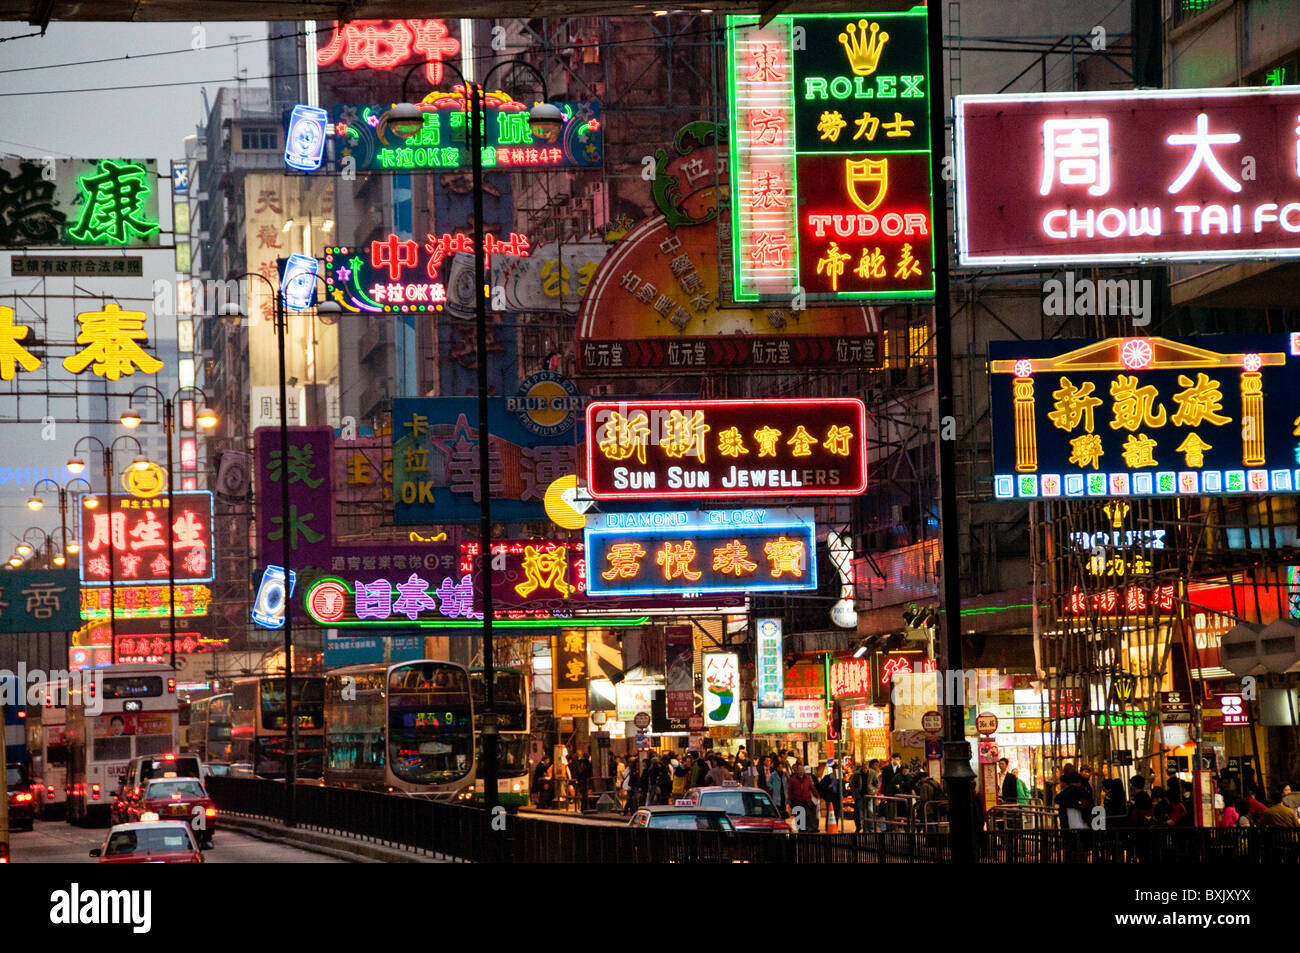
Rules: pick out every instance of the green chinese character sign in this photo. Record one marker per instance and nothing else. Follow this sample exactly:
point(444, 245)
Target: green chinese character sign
point(39, 600)
point(79, 202)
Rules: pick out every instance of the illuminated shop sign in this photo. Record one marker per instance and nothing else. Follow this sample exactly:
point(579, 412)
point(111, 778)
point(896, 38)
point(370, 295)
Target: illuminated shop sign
point(721, 688)
point(1119, 551)
point(534, 583)
point(688, 449)
point(156, 650)
point(830, 151)
point(363, 142)
point(1118, 602)
point(135, 602)
point(1131, 176)
point(388, 44)
point(135, 535)
point(1145, 417)
point(851, 677)
point(39, 600)
point(769, 665)
point(109, 341)
point(397, 274)
point(795, 715)
point(714, 551)
point(108, 202)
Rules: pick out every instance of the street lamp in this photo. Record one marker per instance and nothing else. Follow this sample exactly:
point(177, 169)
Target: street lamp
point(131, 420)
point(35, 503)
point(405, 119)
point(92, 502)
point(291, 722)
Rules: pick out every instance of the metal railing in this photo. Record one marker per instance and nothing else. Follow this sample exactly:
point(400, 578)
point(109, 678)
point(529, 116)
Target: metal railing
point(460, 832)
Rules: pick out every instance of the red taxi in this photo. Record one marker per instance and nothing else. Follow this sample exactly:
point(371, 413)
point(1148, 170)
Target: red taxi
point(176, 799)
point(159, 842)
point(750, 809)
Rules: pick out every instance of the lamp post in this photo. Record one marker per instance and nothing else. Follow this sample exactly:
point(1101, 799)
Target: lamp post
point(405, 120)
point(205, 419)
point(291, 722)
point(34, 503)
point(76, 465)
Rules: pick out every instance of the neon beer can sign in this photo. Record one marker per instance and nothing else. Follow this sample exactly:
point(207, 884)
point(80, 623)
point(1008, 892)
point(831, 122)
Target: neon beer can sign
point(1139, 175)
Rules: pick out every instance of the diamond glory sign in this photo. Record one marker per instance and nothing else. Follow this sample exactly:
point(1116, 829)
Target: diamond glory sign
point(717, 449)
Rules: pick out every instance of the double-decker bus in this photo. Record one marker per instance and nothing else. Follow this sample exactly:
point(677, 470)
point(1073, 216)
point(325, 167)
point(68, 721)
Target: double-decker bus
point(404, 726)
point(510, 691)
point(259, 726)
point(13, 694)
point(209, 730)
point(48, 750)
point(120, 713)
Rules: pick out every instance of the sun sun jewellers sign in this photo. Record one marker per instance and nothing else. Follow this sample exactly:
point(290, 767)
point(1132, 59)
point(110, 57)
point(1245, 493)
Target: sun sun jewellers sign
point(1142, 175)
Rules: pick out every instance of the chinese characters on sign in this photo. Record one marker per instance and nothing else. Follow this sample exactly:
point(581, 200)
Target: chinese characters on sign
point(702, 551)
point(403, 275)
point(721, 689)
point(364, 143)
point(436, 461)
point(1053, 176)
point(44, 600)
point(107, 340)
point(830, 141)
point(689, 449)
point(77, 202)
point(308, 470)
point(136, 535)
point(132, 602)
point(1145, 417)
point(569, 671)
point(769, 665)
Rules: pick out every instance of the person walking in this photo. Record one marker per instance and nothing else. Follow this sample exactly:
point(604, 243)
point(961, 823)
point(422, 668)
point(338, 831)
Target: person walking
point(778, 787)
point(803, 796)
point(718, 773)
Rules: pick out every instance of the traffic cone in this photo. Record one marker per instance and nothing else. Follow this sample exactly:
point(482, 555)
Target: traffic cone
point(832, 822)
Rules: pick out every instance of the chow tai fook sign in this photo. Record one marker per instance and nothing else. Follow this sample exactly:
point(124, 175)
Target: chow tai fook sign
point(830, 154)
point(688, 449)
point(1145, 416)
point(136, 534)
point(701, 551)
point(1138, 175)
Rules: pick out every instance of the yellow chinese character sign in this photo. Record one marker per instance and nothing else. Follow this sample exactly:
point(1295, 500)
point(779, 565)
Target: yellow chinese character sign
point(688, 449)
point(1145, 416)
point(738, 550)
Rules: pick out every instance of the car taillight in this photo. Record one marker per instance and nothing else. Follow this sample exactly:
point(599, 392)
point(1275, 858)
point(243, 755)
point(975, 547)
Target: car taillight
point(49, 790)
point(171, 685)
point(211, 812)
point(169, 757)
point(22, 798)
point(94, 791)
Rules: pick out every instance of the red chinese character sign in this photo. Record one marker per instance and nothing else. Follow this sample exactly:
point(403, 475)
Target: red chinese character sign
point(388, 44)
point(692, 449)
point(135, 536)
point(308, 471)
point(830, 152)
point(1144, 175)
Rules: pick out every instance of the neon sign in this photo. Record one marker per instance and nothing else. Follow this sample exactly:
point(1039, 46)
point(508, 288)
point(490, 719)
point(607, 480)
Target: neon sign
point(1144, 417)
point(139, 602)
point(829, 146)
point(401, 274)
point(687, 449)
point(1051, 183)
point(135, 535)
point(304, 143)
point(702, 552)
point(769, 665)
point(79, 202)
point(369, 44)
point(363, 142)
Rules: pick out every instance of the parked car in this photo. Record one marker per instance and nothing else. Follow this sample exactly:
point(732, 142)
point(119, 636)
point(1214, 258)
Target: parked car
point(162, 842)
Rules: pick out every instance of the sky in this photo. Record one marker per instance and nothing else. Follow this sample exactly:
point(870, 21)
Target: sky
point(47, 109)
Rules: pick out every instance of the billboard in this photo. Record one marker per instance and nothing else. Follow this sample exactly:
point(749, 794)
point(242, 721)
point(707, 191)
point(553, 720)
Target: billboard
point(136, 534)
point(769, 665)
point(308, 471)
point(39, 600)
point(721, 689)
point(364, 143)
point(749, 550)
point(1128, 176)
point(656, 302)
point(688, 449)
point(112, 203)
point(1144, 416)
point(830, 156)
point(436, 460)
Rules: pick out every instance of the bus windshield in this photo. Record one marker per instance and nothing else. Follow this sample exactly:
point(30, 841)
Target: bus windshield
point(308, 703)
point(429, 745)
point(512, 755)
point(511, 706)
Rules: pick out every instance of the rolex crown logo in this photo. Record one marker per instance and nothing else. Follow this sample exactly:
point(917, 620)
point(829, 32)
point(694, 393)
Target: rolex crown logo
point(864, 50)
